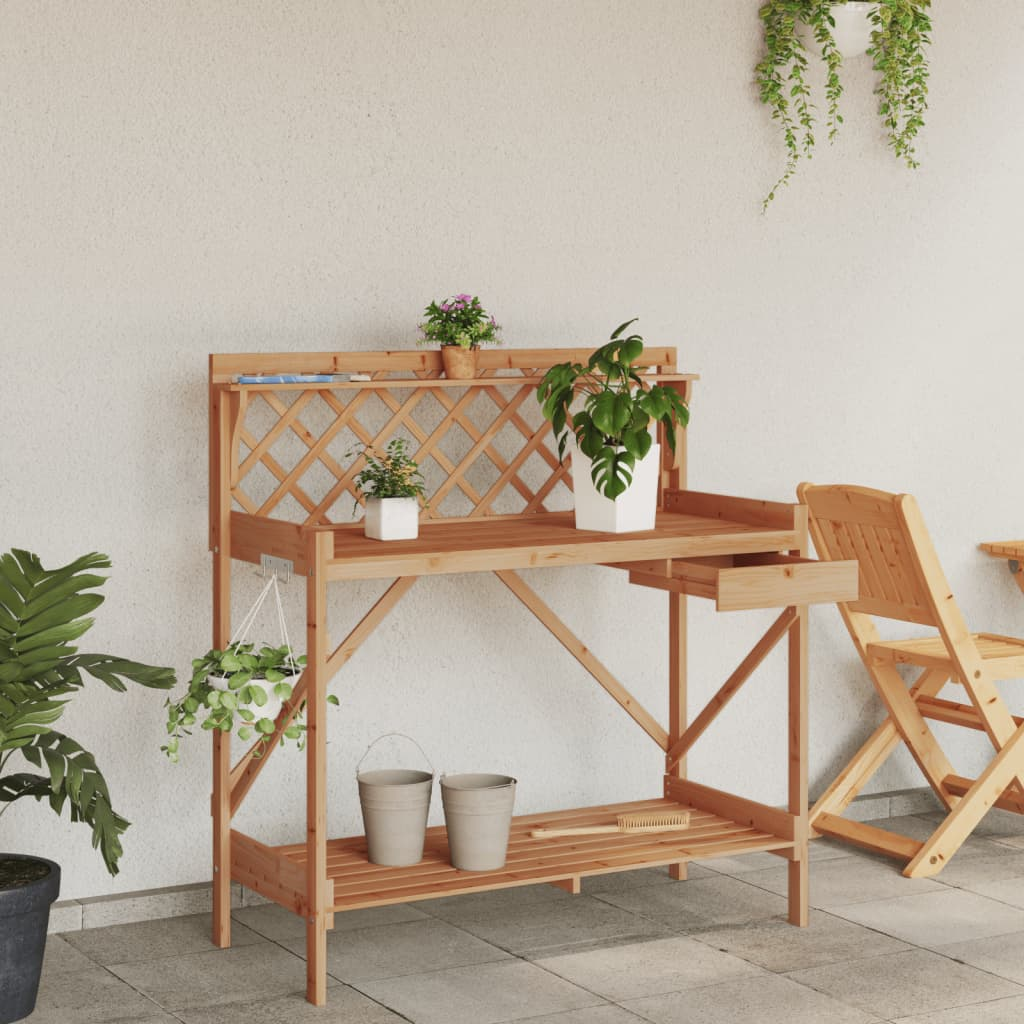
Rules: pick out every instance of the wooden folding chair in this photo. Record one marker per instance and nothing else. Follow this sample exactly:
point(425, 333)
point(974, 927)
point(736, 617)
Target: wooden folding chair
point(900, 578)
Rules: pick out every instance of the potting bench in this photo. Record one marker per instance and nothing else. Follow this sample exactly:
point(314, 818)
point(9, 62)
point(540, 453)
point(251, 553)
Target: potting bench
point(489, 457)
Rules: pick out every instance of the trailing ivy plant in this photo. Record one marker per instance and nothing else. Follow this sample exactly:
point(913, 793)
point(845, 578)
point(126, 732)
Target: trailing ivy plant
point(229, 689)
point(613, 427)
point(900, 33)
point(41, 612)
point(900, 30)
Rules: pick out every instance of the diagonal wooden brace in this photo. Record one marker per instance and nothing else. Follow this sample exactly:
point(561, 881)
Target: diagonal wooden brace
point(731, 687)
point(249, 766)
point(579, 651)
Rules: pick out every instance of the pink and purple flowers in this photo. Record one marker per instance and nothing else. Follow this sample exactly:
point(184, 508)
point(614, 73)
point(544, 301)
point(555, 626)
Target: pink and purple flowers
point(459, 320)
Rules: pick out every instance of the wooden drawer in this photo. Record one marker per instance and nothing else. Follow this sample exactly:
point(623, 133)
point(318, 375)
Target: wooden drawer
point(738, 582)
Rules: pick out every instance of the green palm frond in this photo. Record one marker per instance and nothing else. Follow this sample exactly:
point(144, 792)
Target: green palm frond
point(42, 611)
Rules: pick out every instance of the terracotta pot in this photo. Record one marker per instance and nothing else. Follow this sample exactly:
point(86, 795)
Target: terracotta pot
point(459, 362)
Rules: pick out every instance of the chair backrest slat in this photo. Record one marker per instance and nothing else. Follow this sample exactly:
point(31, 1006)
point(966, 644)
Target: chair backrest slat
point(855, 522)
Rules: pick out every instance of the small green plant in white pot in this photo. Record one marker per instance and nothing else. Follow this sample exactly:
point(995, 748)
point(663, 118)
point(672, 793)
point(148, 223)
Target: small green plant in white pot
point(239, 689)
point(392, 487)
point(615, 458)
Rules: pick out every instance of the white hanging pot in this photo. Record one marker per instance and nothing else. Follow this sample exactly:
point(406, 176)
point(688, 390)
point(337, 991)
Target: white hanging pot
point(633, 510)
point(274, 703)
point(852, 32)
point(392, 518)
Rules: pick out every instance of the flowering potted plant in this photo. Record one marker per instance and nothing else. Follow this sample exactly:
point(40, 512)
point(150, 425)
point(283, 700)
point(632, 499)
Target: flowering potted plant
point(614, 455)
point(242, 686)
point(460, 325)
point(391, 485)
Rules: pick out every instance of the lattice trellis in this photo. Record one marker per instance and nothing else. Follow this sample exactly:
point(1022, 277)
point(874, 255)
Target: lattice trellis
point(482, 449)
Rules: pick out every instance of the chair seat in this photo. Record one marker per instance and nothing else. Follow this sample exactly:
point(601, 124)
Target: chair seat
point(1004, 654)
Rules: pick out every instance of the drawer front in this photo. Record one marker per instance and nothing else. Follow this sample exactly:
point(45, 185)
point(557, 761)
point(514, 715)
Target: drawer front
point(788, 581)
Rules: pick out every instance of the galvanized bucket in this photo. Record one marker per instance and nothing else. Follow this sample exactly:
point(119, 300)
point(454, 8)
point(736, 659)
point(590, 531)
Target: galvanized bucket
point(478, 815)
point(395, 803)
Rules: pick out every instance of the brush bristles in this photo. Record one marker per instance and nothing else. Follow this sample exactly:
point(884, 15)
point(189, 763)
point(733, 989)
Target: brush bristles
point(653, 819)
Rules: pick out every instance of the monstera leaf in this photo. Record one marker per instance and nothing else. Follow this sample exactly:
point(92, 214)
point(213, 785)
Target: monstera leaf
point(41, 612)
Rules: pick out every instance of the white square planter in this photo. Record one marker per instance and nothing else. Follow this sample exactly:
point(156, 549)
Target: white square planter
point(631, 511)
point(392, 518)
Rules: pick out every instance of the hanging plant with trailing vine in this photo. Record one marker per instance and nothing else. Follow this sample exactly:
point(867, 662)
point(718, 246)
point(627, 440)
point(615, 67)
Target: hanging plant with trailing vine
point(899, 34)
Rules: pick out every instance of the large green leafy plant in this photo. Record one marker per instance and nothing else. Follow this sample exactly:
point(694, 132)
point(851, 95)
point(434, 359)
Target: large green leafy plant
point(41, 612)
point(900, 32)
point(619, 405)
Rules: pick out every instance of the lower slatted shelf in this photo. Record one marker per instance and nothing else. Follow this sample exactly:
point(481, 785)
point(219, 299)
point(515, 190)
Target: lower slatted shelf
point(565, 859)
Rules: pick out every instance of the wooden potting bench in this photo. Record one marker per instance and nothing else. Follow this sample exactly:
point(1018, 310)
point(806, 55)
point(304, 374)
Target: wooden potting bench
point(277, 472)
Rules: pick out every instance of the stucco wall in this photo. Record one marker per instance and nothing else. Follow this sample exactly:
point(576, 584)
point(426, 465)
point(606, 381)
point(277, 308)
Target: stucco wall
point(185, 177)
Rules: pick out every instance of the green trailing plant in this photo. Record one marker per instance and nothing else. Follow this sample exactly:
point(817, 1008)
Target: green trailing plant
point(618, 406)
point(391, 473)
point(900, 33)
point(229, 689)
point(459, 320)
point(41, 612)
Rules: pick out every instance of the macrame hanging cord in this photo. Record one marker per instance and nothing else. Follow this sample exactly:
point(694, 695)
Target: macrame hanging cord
point(242, 633)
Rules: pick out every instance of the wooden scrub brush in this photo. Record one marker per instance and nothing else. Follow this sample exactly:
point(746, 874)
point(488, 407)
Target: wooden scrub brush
point(651, 821)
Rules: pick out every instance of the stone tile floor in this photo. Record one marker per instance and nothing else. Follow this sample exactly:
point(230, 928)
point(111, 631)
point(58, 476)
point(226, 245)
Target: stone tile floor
point(633, 947)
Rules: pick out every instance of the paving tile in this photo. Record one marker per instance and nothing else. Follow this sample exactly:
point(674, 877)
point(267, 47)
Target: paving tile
point(1016, 842)
point(999, 1011)
point(498, 901)
point(344, 1006)
point(620, 880)
point(857, 879)
point(705, 903)
point(61, 957)
point(559, 926)
point(1005, 890)
point(768, 999)
point(254, 972)
point(589, 1015)
point(274, 922)
point(510, 990)
point(151, 940)
point(980, 866)
point(90, 997)
point(898, 984)
point(778, 946)
point(933, 919)
point(387, 951)
point(1000, 954)
point(648, 968)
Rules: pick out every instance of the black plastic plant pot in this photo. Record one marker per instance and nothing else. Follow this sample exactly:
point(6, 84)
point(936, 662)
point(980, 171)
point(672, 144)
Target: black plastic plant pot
point(28, 885)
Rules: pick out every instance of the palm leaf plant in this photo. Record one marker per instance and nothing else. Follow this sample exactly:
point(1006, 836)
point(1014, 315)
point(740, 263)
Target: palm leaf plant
point(613, 426)
point(42, 611)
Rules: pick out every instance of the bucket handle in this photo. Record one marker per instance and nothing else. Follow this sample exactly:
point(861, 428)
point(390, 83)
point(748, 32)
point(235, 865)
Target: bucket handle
point(384, 736)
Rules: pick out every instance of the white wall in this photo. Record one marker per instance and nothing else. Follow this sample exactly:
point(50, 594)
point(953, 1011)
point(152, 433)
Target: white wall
point(187, 177)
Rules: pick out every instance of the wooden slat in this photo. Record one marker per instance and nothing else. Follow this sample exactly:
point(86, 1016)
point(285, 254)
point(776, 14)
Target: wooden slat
point(583, 655)
point(736, 808)
point(224, 367)
point(868, 837)
point(1009, 801)
point(776, 514)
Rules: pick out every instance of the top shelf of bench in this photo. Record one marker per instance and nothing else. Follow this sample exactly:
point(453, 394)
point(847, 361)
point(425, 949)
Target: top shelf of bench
point(415, 383)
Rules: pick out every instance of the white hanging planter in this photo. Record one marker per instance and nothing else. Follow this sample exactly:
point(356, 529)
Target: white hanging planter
point(853, 27)
point(631, 511)
point(392, 518)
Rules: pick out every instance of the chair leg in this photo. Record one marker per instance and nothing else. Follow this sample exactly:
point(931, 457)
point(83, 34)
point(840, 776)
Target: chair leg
point(872, 755)
point(962, 820)
point(916, 733)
